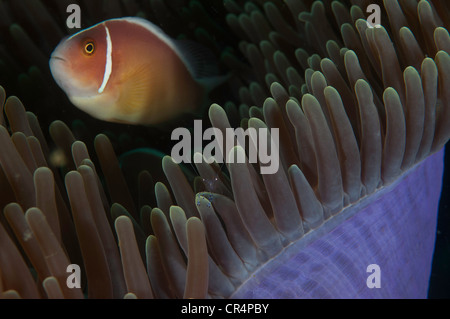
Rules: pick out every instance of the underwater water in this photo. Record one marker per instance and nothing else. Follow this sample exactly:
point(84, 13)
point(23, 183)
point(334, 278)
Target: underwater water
point(271, 54)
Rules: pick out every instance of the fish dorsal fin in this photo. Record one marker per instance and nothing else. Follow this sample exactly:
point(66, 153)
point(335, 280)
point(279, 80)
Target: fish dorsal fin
point(199, 60)
point(135, 88)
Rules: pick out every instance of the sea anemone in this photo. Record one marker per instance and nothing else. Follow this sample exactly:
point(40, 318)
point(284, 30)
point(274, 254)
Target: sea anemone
point(362, 114)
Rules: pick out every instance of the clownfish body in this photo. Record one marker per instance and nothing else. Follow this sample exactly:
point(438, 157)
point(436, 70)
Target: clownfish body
point(129, 71)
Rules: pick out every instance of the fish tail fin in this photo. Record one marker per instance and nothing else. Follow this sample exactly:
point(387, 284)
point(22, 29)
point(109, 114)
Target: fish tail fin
point(202, 64)
point(199, 60)
point(210, 83)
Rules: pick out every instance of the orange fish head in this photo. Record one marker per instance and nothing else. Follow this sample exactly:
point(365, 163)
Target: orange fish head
point(78, 63)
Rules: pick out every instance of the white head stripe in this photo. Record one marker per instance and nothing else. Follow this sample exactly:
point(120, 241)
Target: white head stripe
point(108, 65)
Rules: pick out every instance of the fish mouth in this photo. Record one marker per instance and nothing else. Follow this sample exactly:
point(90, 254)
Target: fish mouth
point(65, 77)
point(57, 58)
point(58, 63)
point(60, 68)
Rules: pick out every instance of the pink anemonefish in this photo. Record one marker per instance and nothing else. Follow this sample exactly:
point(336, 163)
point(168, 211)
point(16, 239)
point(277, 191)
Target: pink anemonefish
point(129, 71)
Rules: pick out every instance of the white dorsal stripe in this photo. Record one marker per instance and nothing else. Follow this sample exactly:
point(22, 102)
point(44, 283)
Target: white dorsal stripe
point(185, 51)
point(108, 65)
point(156, 31)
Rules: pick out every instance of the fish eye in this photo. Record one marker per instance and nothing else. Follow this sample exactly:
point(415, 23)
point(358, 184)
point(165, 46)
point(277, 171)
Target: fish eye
point(89, 48)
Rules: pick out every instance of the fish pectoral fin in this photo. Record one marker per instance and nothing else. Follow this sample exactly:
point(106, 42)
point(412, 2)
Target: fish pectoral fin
point(135, 90)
